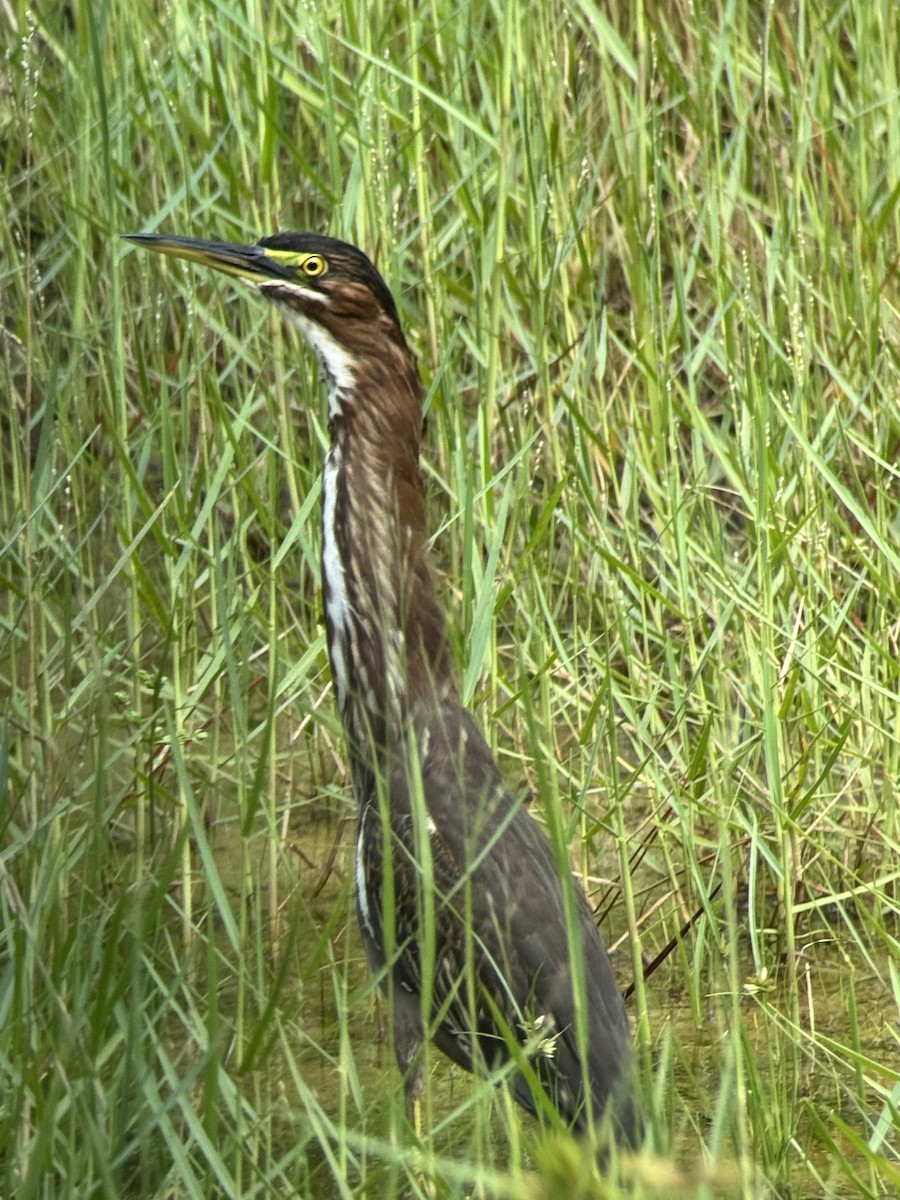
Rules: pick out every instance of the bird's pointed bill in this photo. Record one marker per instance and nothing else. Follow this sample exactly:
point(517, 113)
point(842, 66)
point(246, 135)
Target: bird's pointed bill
point(253, 264)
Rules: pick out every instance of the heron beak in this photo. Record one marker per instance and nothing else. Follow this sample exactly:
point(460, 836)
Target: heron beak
point(252, 264)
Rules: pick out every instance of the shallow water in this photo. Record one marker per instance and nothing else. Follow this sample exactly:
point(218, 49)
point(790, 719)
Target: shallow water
point(795, 1077)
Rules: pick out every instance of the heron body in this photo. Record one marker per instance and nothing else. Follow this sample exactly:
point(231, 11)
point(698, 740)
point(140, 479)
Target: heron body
point(484, 946)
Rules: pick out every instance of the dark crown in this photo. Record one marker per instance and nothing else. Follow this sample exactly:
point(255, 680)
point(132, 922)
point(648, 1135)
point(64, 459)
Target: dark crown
point(345, 261)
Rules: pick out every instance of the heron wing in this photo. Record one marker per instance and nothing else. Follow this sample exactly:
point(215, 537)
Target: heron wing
point(487, 937)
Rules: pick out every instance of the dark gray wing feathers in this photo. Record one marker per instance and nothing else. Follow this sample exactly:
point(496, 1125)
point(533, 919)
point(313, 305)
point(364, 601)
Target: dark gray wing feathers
point(499, 914)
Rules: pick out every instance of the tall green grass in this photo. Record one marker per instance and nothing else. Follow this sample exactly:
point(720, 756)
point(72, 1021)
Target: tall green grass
point(647, 258)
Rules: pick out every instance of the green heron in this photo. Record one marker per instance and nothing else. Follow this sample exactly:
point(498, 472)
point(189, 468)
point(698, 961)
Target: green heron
point(482, 944)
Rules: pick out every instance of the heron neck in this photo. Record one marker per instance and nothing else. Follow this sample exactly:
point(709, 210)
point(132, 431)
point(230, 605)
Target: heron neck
point(390, 656)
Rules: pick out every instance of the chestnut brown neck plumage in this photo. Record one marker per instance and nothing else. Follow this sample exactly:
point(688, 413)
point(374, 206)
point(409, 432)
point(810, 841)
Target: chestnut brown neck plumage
point(390, 656)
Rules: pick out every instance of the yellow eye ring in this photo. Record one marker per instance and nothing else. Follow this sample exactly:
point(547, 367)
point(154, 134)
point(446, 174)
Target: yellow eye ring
point(314, 265)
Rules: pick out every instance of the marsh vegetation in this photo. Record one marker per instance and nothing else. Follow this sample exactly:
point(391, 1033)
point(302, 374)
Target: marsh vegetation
point(647, 256)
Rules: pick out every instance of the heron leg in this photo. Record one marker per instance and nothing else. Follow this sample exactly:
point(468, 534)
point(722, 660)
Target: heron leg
point(408, 1040)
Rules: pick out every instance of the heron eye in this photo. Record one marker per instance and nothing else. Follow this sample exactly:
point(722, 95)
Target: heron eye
point(314, 265)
